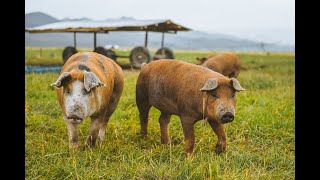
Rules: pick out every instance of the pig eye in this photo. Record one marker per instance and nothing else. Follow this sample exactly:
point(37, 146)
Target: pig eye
point(67, 91)
point(214, 94)
point(86, 92)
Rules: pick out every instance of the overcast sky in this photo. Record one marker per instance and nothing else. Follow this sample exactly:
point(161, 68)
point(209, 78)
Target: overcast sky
point(264, 20)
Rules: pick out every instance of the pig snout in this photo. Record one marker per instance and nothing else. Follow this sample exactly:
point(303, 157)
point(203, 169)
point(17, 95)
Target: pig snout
point(227, 117)
point(225, 113)
point(75, 113)
point(74, 119)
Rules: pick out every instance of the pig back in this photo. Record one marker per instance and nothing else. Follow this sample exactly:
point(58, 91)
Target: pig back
point(173, 85)
point(224, 63)
point(100, 65)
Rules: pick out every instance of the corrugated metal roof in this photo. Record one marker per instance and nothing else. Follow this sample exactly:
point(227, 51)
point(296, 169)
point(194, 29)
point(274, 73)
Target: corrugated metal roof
point(159, 25)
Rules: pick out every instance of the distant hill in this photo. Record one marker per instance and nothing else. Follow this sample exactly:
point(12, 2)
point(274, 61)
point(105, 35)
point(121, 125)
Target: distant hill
point(38, 19)
point(191, 40)
point(77, 19)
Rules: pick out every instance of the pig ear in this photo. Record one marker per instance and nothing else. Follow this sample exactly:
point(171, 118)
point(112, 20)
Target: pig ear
point(61, 78)
point(201, 59)
point(211, 84)
point(91, 81)
point(236, 85)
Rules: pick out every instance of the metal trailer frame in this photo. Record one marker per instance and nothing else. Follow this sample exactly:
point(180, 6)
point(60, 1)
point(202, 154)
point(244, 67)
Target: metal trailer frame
point(138, 55)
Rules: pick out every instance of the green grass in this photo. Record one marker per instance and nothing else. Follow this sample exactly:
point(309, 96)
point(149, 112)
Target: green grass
point(260, 142)
point(53, 56)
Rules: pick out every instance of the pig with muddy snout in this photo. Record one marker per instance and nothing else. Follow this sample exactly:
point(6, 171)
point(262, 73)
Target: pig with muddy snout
point(89, 85)
point(189, 91)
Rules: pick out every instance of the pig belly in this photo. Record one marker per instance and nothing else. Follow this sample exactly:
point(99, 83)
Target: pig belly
point(165, 105)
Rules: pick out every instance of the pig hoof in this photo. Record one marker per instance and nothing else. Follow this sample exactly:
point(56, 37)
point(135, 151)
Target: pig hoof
point(190, 155)
point(143, 133)
point(90, 144)
point(91, 141)
point(219, 149)
point(189, 152)
point(165, 141)
point(101, 138)
point(73, 146)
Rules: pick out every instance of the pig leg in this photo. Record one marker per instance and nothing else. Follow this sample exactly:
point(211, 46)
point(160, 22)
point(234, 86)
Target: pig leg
point(73, 135)
point(103, 127)
point(114, 100)
point(188, 131)
point(144, 107)
point(164, 121)
point(94, 130)
point(111, 108)
point(144, 114)
point(218, 128)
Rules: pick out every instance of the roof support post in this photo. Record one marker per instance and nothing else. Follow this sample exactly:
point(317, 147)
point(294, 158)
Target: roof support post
point(74, 40)
point(162, 40)
point(146, 40)
point(94, 40)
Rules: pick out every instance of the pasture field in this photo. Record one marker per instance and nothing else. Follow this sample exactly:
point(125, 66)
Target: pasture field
point(260, 141)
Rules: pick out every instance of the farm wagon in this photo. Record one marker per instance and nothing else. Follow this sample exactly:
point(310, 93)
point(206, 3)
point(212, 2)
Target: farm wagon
point(138, 54)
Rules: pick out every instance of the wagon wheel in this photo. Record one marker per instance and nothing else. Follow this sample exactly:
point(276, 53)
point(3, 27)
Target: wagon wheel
point(139, 55)
point(106, 52)
point(164, 53)
point(67, 52)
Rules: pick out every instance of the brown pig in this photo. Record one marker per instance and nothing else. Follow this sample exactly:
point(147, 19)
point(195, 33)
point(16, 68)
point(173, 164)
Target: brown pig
point(227, 64)
point(180, 88)
point(89, 85)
